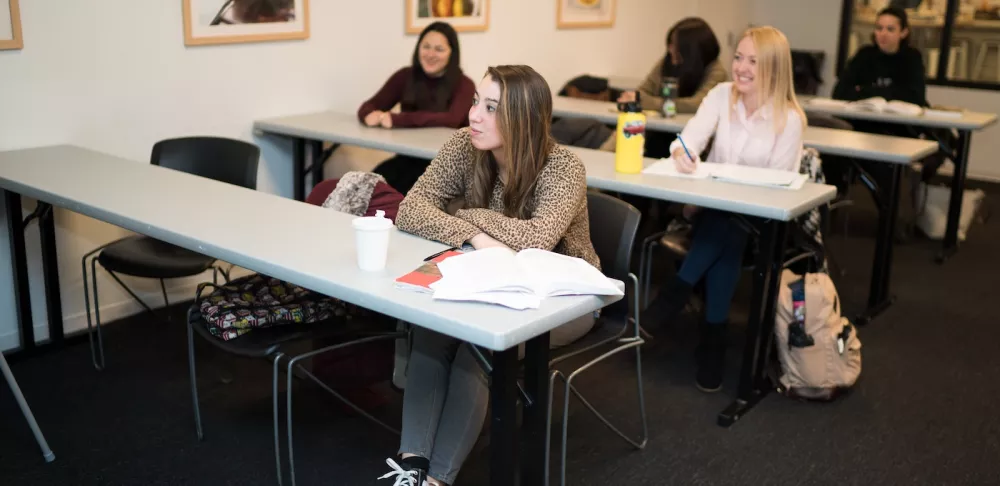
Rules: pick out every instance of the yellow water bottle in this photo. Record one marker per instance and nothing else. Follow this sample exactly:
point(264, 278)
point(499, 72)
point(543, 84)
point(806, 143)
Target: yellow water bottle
point(630, 137)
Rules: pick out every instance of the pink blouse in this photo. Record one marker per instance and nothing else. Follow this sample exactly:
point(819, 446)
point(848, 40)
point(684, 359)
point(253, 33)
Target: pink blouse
point(740, 139)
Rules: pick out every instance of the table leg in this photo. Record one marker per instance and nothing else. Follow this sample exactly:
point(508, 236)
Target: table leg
point(19, 397)
point(950, 246)
point(753, 384)
point(536, 383)
point(50, 270)
point(19, 265)
point(316, 167)
point(22, 308)
point(503, 431)
point(879, 298)
point(299, 169)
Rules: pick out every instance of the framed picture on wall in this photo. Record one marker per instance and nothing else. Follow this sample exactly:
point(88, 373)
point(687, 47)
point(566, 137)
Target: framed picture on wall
point(10, 25)
point(233, 21)
point(463, 15)
point(582, 14)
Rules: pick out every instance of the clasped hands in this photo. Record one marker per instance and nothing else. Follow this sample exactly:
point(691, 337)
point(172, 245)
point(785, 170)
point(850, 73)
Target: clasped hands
point(379, 118)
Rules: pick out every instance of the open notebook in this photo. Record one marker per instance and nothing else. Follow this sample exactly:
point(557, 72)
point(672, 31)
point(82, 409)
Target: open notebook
point(740, 174)
point(516, 280)
point(876, 104)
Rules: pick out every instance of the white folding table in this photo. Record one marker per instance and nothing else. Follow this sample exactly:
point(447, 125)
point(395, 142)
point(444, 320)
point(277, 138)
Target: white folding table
point(296, 242)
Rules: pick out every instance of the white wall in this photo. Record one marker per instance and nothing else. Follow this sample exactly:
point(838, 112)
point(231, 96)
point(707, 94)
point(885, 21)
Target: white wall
point(728, 18)
point(809, 25)
point(815, 24)
point(114, 75)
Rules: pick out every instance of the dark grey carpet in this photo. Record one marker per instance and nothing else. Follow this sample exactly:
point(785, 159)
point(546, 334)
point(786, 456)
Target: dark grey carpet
point(920, 414)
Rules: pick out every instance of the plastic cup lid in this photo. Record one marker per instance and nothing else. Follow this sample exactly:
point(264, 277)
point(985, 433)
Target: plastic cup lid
point(372, 223)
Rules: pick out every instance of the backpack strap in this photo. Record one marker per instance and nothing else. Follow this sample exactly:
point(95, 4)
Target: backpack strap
point(797, 337)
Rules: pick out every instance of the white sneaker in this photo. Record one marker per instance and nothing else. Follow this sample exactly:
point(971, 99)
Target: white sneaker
point(405, 476)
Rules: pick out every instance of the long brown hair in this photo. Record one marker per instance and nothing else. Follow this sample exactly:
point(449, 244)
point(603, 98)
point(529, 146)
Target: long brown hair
point(524, 119)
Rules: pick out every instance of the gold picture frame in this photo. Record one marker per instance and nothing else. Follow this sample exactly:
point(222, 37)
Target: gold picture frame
point(212, 22)
point(585, 14)
point(473, 17)
point(13, 39)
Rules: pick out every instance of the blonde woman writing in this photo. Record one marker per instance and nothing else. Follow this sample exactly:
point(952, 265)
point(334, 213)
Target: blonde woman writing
point(756, 121)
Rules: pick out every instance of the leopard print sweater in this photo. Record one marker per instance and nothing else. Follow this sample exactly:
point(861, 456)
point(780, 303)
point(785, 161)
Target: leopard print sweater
point(559, 220)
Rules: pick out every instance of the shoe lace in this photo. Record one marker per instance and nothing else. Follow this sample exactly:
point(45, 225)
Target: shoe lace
point(403, 477)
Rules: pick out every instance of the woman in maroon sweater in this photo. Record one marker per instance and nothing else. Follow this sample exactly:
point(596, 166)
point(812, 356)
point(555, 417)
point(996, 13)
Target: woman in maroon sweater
point(432, 92)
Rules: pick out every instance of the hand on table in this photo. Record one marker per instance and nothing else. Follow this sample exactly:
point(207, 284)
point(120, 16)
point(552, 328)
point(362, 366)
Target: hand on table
point(483, 240)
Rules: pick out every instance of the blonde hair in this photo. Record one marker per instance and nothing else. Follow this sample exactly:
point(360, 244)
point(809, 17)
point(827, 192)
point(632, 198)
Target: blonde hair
point(524, 120)
point(774, 75)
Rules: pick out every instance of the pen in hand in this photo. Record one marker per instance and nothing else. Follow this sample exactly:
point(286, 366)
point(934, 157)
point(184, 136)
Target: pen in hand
point(685, 147)
point(691, 158)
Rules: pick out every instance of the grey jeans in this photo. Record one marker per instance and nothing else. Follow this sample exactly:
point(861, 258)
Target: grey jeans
point(447, 397)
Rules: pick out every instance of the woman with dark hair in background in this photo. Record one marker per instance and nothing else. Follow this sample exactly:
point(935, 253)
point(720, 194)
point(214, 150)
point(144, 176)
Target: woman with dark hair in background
point(693, 58)
point(888, 67)
point(432, 92)
point(891, 69)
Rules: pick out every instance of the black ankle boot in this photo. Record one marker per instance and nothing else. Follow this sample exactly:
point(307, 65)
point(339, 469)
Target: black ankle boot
point(675, 294)
point(711, 356)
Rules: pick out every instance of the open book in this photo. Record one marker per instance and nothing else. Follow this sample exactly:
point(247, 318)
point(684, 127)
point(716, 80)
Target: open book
point(875, 104)
point(740, 174)
point(516, 280)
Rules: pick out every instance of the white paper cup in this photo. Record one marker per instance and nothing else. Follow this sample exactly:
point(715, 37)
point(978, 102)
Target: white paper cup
point(371, 236)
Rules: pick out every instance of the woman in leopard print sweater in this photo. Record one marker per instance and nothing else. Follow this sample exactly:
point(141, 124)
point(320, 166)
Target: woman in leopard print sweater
point(521, 190)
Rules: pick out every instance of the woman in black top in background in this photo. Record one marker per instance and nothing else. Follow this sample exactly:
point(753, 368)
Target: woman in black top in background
point(888, 67)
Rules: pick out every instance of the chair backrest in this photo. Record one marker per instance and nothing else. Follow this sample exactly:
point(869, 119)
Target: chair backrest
point(807, 67)
point(221, 159)
point(613, 226)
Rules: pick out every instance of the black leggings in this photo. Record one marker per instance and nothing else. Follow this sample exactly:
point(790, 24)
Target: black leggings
point(402, 171)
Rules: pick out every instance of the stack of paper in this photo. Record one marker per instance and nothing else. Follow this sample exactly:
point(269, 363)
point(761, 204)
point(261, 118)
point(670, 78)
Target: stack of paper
point(518, 281)
point(740, 174)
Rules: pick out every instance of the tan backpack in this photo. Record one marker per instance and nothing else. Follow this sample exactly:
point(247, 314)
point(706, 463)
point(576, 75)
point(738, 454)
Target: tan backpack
point(819, 349)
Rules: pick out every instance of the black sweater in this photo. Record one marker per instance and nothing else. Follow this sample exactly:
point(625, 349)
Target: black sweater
point(871, 72)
